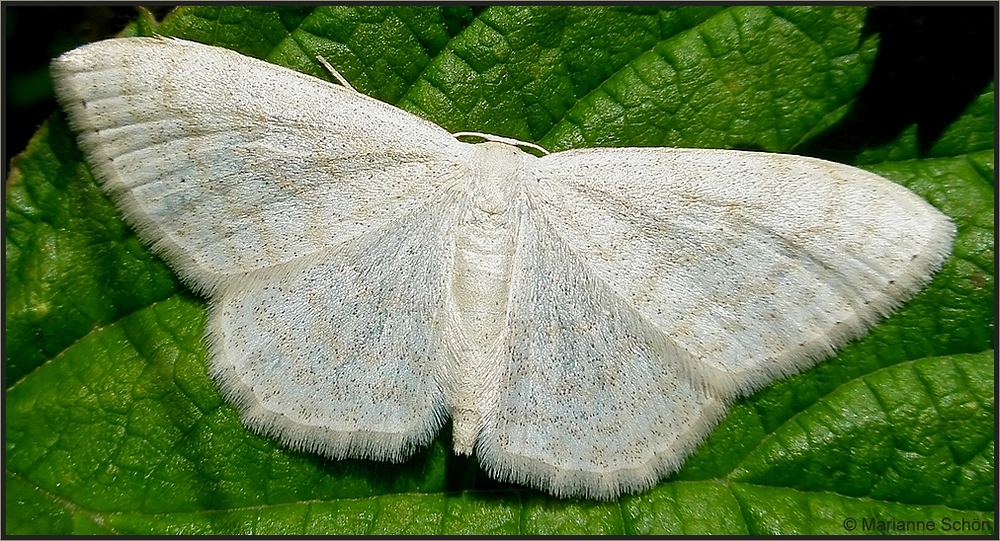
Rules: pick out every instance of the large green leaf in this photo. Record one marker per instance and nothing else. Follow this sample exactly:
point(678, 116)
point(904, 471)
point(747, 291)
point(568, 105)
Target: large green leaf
point(113, 426)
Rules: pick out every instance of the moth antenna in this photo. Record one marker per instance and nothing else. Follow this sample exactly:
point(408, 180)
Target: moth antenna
point(336, 74)
point(500, 139)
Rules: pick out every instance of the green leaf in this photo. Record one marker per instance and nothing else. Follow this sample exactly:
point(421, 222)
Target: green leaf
point(113, 426)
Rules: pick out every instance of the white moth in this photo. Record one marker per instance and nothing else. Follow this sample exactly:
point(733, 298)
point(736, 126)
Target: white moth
point(583, 317)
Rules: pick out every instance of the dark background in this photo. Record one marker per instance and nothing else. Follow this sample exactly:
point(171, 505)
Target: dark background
point(932, 62)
